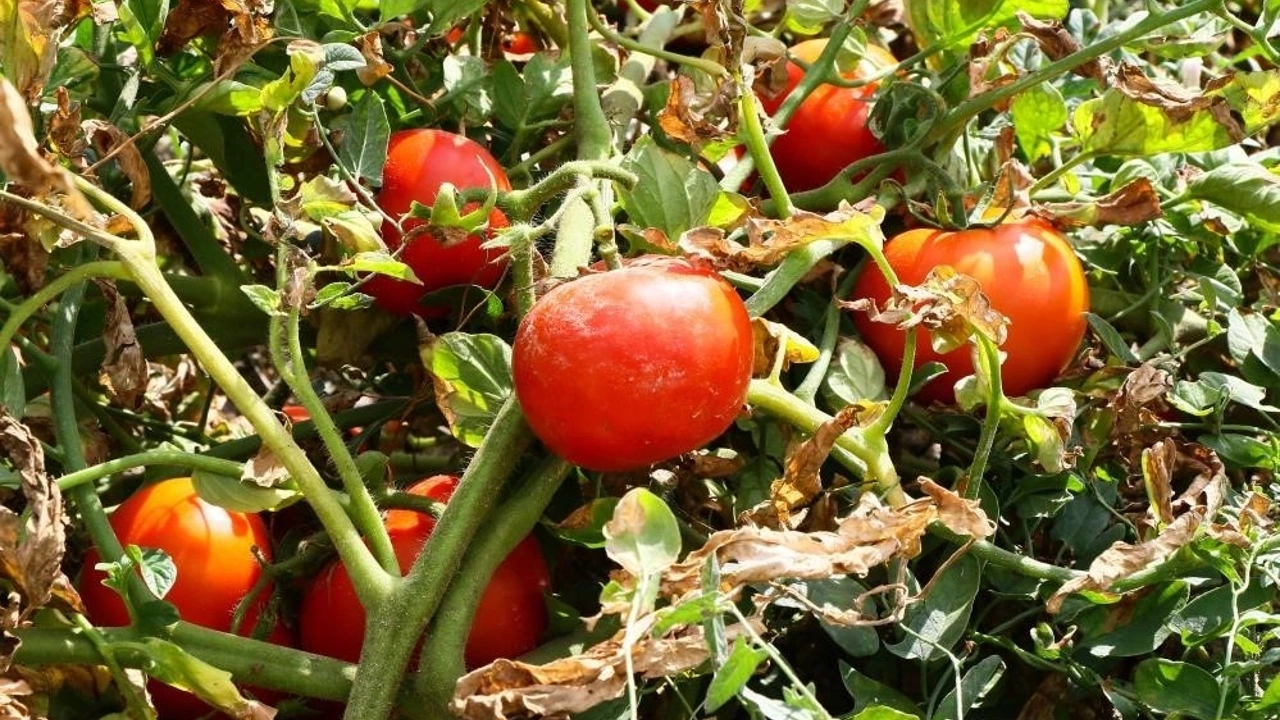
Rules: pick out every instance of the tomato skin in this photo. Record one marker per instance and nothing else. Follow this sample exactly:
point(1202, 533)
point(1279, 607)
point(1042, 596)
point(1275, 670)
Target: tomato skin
point(520, 43)
point(1030, 274)
point(419, 162)
point(213, 550)
point(509, 621)
point(829, 130)
point(623, 369)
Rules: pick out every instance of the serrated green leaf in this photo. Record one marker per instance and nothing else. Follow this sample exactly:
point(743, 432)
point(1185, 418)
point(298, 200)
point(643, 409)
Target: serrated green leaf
point(264, 298)
point(366, 135)
point(1037, 113)
point(381, 263)
point(472, 378)
point(467, 80)
point(672, 195)
point(341, 56)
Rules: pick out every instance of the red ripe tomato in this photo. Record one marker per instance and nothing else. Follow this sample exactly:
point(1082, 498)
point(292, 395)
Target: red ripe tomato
point(212, 549)
point(418, 163)
point(829, 129)
point(1029, 273)
point(520, 44)
point(296, 413)
point(623, 369)
point(652, 5)
point(509, 621)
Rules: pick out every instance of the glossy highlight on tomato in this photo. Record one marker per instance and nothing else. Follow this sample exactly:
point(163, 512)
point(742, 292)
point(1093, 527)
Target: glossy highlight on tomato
point(509, 621)
point(1030, 274)
point(419, 162)
point(626, 368)
point(213, 551)
point(829, 130)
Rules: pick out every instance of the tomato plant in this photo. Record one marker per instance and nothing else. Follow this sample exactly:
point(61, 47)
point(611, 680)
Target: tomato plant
point(510, 618)
point(213, 551)
point(630, 367)
point(419, 162)
point(1030, 274)
point(829, 129)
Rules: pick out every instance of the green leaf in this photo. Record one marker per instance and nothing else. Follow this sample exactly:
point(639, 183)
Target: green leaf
point(809, 17)
point(1116, 124)
point(1212, 388)
point(958, 22)
point(1209, 616)
point(232, 494)
point(730, 677)
point(855, 375)
point(978, 683)
point(230, 97)
point(305, 60)
point(13, 391)
point(1243, 452)
point(366, 134)
point(155, 566)
point(643, 535)
point(472, 378)
point(939, 620)
point(1111, 338)
point(466, 78)
point(1253, 335)
point(339, 57)
point(1246, 189)
point(672, 195)
point(870, 694)
point(264, 298)
point(701, 608)
point(381, 263)
point(1146, 629)
point(1172, 687)
point(881, 712)
point(446, 13)
point(172, 665)
point(143, 21)
point(773, 709)
point(1038, 113)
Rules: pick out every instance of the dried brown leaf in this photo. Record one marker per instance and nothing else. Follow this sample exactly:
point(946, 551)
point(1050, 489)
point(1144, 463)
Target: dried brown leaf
point(1157, 473)
point(108, 138)
point(264, 470)
point(376, 67)
point(31, 550)
point(66, 134)
point(124, 369)
point(21, 255)
point(949, 304)
point(20, 158)
point(1124, 559)
point(508, 689)
point(687, 117)
point(29, 39)
point(960, 515)
point(1056, 42)
point(241, 25)
point(1133, 204)
point(769, 240)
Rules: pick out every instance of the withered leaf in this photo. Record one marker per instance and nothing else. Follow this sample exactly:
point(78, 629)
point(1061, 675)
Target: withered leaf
point(1135, 203)
point(774, 343)
point(769, 241)
point(1157, 474)
point(688, 118)
point(1178, 102)
point(242, 26)
point(801, 483)
point(20, 158)
point(1144, 387)
point(949, 304)
point(264, 469)
point(30, 36)
point(376, 67)
point(1123, 559)
point(508, 689)
point(124, 368)
point(959, 515)
point(31, 551)
point(108, 138)
point(66, 135)
point(1056, 42)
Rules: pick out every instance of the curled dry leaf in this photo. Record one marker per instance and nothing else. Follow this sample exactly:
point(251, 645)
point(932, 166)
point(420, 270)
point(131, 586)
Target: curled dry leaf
point(108, 138)
point(776, 343)
point(376, 67)
point(1135, 203)
point(1123, 559)
point(31, 550)
point(29, 39)
point(801, 482)
point(1056, 42)
point(13, 703)
point(20, 158)
point(21, 255)
point(949, 304)
point(688, 118)
point(508, 689)
point(264, 469)
point(769, 241)
point(242, 27)
point(959, 515)
point(66, 134)
point(870, 536)
point(124, 369)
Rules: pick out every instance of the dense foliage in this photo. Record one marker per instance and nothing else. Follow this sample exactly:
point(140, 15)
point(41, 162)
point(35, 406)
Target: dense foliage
point(881, 360)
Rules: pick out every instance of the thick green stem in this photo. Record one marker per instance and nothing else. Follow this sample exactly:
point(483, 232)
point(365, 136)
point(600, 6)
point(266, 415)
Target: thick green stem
point(808, 389)
point(362, 510)
point(68, 279)
point(790, 271)
point(144, 459)
point(522, 272)
point(590, 125)
point(758, 147)
point(442, 655)
point(394, 625)
point(990, 356)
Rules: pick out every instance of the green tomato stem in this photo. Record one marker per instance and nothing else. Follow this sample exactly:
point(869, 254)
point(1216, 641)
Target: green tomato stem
point(397, 621)
point(590, 126)
point(150, 457)
point(712, 68)
point(808, 389)
point(441, 663)
point(780, 281)
point(68, 279)
point(758, 147)
point(991, 424)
